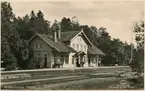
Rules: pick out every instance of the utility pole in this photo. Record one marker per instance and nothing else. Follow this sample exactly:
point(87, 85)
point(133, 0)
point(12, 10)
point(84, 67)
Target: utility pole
point(131, 49)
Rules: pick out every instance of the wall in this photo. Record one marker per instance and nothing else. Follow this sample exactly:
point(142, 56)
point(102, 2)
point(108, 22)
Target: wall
point(46, 49)
point(78, 40)
point(94, 60)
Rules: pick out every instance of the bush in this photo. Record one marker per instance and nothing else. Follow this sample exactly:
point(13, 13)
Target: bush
point(137, 82)
point(9, 62)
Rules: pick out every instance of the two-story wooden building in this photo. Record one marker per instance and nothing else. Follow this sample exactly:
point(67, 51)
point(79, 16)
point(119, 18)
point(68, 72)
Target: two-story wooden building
point(70, 49)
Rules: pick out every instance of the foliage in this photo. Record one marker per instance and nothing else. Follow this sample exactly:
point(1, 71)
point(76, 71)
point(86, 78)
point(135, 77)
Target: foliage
point(116, 51)
point(28, 25)
point(9, 36)
point(13, 48)
point(138, 62)
point(69, 25)
point(55, 26)
point(66, 24)
point(16, 31)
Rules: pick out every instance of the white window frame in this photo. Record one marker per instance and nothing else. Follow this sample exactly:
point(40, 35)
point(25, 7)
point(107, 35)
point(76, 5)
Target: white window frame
point(73, 45)
point(81, 47)
point(65, 59)
point(85, 47)
point(77, 47)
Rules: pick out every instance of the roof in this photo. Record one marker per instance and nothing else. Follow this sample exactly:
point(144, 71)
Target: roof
point(59, 46)
point(67, 36)
point(94, 50)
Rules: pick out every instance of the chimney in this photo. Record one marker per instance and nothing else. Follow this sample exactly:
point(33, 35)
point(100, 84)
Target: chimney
point(59, 33)
point(55, 36)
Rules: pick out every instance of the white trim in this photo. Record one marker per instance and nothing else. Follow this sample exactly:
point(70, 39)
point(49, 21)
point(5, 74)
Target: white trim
point(87, 38)
point(83, 34)
point(76, 35)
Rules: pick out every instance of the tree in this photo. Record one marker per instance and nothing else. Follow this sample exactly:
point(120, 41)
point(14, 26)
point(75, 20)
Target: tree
point(114, 49)
point(27, 26)
point(66, 24)
point(127, 53)
point(137, 63)
point(117, 51)
point(42, 25)
point(139, 53)
point(12, 45)
point(7, 33)
point(55, 26)
point(22, 26)
point(75, 24)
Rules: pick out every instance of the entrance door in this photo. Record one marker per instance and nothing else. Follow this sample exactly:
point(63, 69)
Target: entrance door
point(77, 63)
point(89, 61)
point(45, 60)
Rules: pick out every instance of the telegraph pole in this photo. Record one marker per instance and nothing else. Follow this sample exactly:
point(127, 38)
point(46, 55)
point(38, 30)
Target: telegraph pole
point(131, 48)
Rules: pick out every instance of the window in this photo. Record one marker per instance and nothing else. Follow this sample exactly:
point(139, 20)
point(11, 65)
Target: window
point(84, 59)
point(77, 47)
point(73, 60)
point(74, 46)
point(38, 45)
point(66, 59)
point(81, 47)
point(62, 59)
point(84, 47)
point(55, 58)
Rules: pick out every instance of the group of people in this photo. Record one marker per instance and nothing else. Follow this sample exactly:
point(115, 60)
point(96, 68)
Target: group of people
point(79, 64)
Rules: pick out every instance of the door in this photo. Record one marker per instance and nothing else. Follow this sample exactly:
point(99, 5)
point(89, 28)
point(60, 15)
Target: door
point(89, 61)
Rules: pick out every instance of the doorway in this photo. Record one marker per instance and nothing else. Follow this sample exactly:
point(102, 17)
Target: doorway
point(77, 63)
point(89, 61)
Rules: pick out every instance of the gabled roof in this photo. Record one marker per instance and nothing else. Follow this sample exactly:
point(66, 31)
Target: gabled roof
point(59, 46)
point(94, 50)
point(69, 35)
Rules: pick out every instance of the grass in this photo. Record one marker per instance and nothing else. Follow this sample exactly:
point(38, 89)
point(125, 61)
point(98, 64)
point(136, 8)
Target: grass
point(108, 83)
point(86, 84)
point(94, 82)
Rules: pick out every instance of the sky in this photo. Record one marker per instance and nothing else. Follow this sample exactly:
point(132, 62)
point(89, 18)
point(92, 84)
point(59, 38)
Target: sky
point(117, 16)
